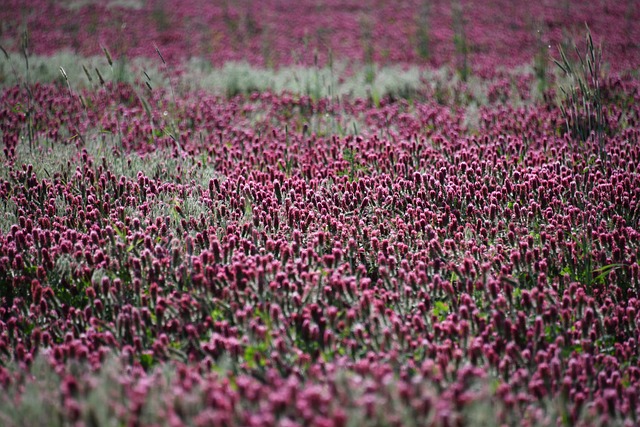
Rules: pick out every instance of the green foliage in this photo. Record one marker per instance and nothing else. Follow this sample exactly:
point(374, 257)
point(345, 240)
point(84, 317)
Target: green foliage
point(460, 41)
point(354, 167)
point(440, 310)
point(581, 103)
point(541, 64)
point(68, 289)
point(333, 81)
point(423, 38)
point(160, 17)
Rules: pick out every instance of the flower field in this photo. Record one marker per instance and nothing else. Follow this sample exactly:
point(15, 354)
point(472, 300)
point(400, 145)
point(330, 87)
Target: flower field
point(319, 213)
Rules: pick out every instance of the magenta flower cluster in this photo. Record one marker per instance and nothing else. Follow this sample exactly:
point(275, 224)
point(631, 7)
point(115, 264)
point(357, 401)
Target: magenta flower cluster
point(273, 33)
point(274, 259)
point(404, 273)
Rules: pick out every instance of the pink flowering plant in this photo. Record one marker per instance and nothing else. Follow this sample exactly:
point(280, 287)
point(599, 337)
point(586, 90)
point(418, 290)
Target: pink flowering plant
point(444, 248)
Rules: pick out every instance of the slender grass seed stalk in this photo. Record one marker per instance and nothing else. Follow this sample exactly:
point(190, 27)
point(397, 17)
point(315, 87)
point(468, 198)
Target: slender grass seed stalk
point(581, 103)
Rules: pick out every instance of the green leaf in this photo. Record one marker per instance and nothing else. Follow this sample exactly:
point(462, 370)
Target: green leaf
point(217, 314)
point(603, 272)
point(146, 360)
point(440, 310)
point(517, 293)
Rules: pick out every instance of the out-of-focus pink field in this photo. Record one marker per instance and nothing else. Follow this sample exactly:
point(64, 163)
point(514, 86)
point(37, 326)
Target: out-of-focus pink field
point(500, 33)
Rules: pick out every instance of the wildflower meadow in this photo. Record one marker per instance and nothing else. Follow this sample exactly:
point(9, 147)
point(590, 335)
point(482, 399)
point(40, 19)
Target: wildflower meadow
point(319, 213)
